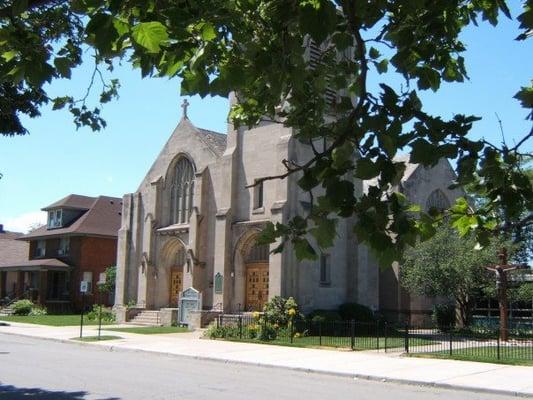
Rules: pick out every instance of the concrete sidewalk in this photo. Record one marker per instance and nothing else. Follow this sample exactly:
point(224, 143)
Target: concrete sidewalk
point(494, 378)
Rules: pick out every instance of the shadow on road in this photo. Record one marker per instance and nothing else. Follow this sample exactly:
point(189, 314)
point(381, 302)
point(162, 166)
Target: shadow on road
point(15, 393)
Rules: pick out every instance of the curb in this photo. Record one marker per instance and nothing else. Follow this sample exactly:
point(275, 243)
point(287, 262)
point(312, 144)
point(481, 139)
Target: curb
point(372, 378)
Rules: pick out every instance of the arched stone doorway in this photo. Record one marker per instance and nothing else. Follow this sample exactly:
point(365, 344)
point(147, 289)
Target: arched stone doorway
point(173, 262)
point(257, 277)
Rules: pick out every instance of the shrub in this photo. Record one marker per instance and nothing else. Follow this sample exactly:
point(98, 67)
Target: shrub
point(267, 332)
point(279, 311)
point(38, 310)
point(226, 331)
point(107, 314)
point(22, 307)
point(324, 316)
point(443, 316)
point(357, 312)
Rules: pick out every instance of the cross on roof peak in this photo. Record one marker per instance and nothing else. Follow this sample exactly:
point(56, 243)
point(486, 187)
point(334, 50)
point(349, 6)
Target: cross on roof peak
point(185, 105)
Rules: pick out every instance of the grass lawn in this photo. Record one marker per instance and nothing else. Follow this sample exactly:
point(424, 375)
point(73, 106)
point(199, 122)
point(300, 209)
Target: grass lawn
point(508, 355)
point(361, 342)
point(95, 338)
point(151, 330)
point(52, 320)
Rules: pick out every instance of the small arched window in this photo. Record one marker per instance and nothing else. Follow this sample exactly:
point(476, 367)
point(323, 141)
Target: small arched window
point(258, 253)
point(182, 190)
point(437, 200)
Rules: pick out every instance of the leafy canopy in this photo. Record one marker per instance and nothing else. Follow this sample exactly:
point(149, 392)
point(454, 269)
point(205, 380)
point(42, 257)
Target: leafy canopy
point(258, 50)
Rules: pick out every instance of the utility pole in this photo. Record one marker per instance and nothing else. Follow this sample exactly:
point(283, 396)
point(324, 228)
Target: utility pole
point(501, 271)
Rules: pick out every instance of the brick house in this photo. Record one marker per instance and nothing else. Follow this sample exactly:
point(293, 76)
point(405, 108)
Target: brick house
point(77, 244)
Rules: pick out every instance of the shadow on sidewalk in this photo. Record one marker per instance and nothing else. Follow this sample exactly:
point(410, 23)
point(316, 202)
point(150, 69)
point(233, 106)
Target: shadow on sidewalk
point(14, 393)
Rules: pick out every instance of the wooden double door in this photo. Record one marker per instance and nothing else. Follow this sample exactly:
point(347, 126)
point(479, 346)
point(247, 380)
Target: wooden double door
point(176, 285)
point(256, 286)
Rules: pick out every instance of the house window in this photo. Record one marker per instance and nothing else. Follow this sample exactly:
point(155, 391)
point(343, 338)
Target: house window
point(88, 277)
point(258, 195)
point(40, 248)
point(55, 218)
point(64, 246)
point(325, 267)
point(182, 191)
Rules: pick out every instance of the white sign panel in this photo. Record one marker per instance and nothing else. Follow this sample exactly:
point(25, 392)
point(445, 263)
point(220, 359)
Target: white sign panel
point(84, 286)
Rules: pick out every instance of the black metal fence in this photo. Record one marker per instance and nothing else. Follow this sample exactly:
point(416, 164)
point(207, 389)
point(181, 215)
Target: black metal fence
point(484, 345)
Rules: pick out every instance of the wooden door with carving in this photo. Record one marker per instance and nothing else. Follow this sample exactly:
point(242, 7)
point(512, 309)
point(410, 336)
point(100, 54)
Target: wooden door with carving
point(256, 286)
point(176, 285)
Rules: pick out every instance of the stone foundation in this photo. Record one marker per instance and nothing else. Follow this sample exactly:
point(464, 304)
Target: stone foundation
point(168, 316)
point(201, 319)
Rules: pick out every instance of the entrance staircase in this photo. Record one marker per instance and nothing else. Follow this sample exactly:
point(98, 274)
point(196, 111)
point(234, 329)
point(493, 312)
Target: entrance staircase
point(6, 311)
point(146, 317)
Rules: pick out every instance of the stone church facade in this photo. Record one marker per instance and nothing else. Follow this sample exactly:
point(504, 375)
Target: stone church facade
point(193, 222)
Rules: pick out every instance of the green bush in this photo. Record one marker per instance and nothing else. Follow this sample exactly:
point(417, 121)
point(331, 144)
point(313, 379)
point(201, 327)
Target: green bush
point(22, 307)
point(324, 316)
point(279, 311)
point(107, 314)
point(357, 312)
point(38, 310)
point(443, 316)
point(222, 332)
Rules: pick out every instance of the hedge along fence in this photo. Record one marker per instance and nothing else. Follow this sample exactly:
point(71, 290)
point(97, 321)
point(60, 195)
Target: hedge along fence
point(377, 335)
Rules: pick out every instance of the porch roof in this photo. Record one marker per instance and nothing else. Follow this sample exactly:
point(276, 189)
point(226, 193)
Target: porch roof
point(52, 264)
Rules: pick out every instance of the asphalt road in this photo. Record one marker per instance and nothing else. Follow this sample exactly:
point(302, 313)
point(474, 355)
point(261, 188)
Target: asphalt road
point(42, 369)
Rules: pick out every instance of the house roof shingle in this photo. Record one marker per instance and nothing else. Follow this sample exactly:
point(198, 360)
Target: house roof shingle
point(72, 201)
point(102, 218)
point(12, 251)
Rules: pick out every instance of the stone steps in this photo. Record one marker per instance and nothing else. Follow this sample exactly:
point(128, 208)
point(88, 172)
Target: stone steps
point(147, 317)
point(6, 311)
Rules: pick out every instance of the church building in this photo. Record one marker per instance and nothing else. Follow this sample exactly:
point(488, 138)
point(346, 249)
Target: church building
point(194, 222)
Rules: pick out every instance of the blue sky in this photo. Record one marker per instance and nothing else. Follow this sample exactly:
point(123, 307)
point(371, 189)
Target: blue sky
point(56, 160)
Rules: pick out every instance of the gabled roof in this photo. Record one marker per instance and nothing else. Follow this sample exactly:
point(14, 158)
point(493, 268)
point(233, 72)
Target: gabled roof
point(72, 201)
point(410, 168)
point(102, 218)
point(37, 264)
point(217, 141)
point(12, 251)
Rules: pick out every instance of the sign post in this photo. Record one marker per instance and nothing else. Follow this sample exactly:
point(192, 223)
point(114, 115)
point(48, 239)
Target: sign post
point(83, 289)
point(100, 284)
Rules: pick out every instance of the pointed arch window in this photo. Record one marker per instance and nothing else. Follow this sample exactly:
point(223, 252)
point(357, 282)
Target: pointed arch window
point(437, 200)
point(182, 191)
point(258, 253)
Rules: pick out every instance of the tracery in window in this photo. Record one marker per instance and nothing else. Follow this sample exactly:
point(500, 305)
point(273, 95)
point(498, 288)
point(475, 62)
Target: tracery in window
point(182, 191)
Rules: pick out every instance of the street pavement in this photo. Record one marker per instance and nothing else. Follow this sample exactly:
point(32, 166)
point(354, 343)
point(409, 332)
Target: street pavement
point(482, 377)
point(48, 370)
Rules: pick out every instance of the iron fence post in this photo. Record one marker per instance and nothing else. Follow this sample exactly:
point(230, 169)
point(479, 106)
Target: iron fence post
point(377, 335)
point(240, 326)
point(386, 332)
point(406, 338)
point(218, 321)
point(451, 342)
point(291, 330)
point(352, 333)
point(498, 347)
point(320, 333)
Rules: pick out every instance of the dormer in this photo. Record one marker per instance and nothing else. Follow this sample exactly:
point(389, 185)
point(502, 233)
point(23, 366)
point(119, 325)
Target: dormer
point(55, 218)
point(64, 212)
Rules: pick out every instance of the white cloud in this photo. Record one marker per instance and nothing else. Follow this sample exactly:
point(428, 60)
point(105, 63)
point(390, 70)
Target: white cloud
point(25, 221)
point(109, 179)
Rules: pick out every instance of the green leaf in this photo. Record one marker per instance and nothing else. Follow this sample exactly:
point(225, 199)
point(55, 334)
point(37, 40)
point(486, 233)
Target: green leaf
point(382, 66)
point(150, 35)
point(303, 250)
point(374, 53)
point(208, 32)
point(324, 232)
point(62, 65)
point(366, 169)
